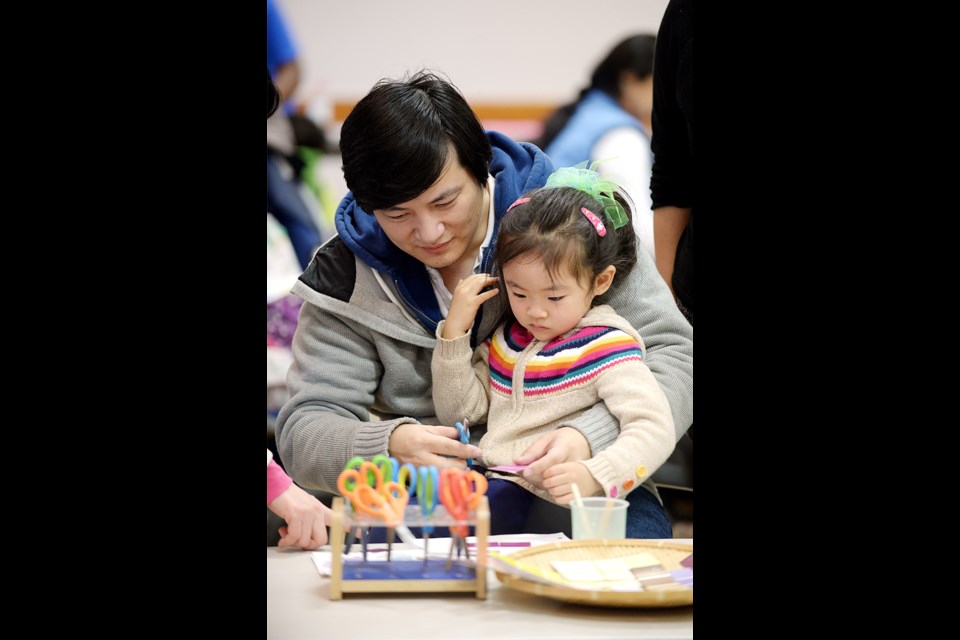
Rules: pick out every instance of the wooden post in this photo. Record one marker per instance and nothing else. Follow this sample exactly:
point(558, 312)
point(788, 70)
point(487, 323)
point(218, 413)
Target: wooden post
point(336, 550)
point(483, 530)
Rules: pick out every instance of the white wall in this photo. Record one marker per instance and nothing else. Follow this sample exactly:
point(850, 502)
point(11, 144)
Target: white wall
point(539, 51)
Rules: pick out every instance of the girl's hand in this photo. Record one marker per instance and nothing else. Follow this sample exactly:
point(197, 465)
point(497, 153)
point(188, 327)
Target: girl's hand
point(467, 298)
point(565, 444)
point(559, 478)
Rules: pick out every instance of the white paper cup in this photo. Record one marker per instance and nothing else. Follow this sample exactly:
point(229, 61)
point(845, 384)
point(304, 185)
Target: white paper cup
point(599, 518)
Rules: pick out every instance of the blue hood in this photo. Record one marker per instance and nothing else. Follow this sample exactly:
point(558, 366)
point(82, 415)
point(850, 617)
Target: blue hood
point(516, 168)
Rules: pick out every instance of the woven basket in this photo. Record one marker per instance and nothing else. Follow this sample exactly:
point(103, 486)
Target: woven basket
point(668, 553)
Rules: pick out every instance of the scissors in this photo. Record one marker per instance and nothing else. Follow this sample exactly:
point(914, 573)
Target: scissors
point(355, 530)
point(388, 466)
point(463, 431)
point(370, 494)
point(401, 474)
point(427, 489)
point(407, 472)
point(461, 491)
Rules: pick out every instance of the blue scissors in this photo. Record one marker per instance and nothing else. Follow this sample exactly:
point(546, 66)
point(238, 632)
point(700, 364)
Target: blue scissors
point(427, 494)
point(463, 430)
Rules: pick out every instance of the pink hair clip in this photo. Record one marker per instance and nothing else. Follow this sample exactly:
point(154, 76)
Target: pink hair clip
point(594, 220)
point(518, 201)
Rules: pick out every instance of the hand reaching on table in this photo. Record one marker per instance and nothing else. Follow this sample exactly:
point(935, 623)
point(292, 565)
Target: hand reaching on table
point(307, 518)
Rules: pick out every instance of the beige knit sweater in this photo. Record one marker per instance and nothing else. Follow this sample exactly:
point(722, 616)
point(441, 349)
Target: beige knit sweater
point(523, 388)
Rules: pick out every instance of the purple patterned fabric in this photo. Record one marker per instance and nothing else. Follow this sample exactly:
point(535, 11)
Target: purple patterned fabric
point(282, 320)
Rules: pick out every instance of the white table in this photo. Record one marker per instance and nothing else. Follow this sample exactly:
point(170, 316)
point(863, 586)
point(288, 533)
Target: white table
point(299, 606)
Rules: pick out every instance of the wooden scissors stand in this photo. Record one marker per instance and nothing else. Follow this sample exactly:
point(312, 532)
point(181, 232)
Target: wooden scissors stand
point(460, 578)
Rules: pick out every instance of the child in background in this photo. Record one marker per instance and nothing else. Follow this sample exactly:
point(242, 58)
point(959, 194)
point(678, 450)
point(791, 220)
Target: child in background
point(556, 352)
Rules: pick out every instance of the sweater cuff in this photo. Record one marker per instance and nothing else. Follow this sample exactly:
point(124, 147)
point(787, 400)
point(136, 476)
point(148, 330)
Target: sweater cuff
point(459, 347)
point(606, 476)
point(618, 486)
point(600, 429)
point(277, 481)
point(373, 438)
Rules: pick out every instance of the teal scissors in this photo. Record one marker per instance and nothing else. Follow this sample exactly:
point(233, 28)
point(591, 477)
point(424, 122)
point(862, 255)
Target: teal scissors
point(427, 490)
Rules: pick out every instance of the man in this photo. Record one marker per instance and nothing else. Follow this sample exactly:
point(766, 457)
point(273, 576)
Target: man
point(428, 188)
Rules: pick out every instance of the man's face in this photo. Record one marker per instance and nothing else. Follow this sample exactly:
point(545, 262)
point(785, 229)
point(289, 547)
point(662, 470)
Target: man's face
point(439, 226)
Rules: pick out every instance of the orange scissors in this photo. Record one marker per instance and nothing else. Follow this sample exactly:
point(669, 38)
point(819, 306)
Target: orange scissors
point(370, 494)
point(460, 492)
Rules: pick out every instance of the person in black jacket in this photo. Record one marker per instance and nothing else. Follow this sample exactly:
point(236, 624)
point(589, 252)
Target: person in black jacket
point(671, 185)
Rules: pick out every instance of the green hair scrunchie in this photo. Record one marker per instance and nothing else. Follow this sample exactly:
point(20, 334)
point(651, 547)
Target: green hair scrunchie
point(587, 180)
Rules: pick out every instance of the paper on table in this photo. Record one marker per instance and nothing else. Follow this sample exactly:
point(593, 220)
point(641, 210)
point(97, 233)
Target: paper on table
point(639, 572)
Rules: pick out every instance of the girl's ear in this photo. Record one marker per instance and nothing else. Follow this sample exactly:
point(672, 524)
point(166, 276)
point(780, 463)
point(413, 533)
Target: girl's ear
point(603, 280)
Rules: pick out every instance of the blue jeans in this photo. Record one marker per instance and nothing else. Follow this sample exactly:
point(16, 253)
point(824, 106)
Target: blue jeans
point(513, 509)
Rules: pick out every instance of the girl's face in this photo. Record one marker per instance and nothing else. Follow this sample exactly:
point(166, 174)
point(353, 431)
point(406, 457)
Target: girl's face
point(548, 307)
point(636, 95)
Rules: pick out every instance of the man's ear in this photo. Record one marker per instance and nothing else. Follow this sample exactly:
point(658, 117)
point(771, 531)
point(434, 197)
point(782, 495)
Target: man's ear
point(603, 280)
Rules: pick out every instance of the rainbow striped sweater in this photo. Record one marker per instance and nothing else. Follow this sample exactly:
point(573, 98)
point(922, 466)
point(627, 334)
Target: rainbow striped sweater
point(523, 388)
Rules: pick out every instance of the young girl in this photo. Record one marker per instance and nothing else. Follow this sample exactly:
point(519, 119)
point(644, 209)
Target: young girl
point(557, 351)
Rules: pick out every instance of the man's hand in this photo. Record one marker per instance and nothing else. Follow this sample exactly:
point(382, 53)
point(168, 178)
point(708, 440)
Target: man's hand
point(559, 478)
point(565, 444)
point(423, 445)
point(467, 298)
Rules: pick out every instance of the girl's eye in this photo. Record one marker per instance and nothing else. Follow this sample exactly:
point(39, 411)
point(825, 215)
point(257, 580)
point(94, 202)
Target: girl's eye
point(517, 295)
point(555, 298)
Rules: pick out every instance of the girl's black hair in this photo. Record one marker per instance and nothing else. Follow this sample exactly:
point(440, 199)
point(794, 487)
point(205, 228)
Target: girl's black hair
point(632, 54)
point(552, 226)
